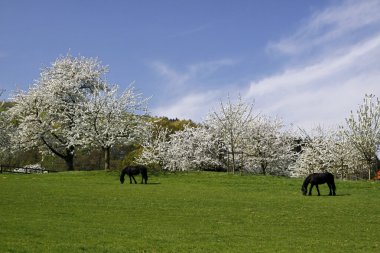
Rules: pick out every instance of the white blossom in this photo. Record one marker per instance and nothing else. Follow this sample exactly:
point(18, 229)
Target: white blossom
point(230, 124)
point(46, 113)
point(107, 118)
point(363, 130)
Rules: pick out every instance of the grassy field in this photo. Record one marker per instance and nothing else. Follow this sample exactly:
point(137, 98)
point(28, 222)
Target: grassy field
point(185, 212)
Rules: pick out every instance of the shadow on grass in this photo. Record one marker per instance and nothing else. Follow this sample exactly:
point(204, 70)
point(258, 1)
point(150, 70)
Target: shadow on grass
point(337, 195)
point(154, 183)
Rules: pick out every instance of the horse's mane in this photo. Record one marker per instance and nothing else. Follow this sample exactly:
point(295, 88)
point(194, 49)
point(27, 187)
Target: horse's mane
point(307, 180)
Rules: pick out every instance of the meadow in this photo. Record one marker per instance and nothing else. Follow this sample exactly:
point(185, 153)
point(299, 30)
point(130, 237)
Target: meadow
point(184, 212)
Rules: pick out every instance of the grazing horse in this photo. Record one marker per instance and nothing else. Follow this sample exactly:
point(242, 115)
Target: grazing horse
point(131, 171)
point(316, 179)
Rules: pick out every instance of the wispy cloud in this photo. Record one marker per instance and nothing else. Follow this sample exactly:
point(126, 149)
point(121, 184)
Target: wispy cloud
point(171, 76)
point(357, 58)
point(191, 77)
point(190, 72)
point(188, 91)
point(322, 89)
point(335, 23)
point(193, 106)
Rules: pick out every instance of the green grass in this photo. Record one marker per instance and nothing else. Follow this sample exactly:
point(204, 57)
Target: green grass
point(185, 212)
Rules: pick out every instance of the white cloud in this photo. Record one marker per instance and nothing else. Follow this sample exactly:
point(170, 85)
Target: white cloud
point(324, 89)
point(359, 58)
point(193, 106)
point(173, 77)
point(188, 94)
point(191, 74)
point(335, 23)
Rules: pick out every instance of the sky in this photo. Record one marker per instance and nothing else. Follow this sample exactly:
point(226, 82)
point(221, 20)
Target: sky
point(309, 62)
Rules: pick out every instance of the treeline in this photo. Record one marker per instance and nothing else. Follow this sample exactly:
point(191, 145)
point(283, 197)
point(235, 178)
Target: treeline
point(89, 158)
point(72, 118)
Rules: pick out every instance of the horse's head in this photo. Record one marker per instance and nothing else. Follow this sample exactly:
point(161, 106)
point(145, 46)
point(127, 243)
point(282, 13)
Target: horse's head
point(122, 178)
point(304, 189)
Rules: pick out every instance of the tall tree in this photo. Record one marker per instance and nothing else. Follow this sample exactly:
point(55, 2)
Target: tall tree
point(328, 150)
point(193, 148)
point(109, 118)
point(230, 124)
point(268, 146)
point(46, 113)
point(363, 130)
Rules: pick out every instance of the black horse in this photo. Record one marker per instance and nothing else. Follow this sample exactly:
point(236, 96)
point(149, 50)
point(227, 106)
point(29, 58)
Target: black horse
point(319, 178)
point(131, 171)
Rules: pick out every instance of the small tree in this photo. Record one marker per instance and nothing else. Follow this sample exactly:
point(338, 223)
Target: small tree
point(363, 130)
point(4, 131)
point(268, 146)
point(230, 124)
point(328, 150)
point(156, 144)
point(316, 152)
point(193, 148)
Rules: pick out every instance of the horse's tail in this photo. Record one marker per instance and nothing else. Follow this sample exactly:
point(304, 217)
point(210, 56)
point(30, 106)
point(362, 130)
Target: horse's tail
point(333, 183)
point(122, 175)
point(144, 173)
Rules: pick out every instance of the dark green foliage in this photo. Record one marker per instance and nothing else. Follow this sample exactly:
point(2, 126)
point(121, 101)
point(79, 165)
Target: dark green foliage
point(173, 125)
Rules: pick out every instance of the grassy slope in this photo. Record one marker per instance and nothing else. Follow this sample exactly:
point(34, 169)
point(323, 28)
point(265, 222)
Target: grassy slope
point(195, 212)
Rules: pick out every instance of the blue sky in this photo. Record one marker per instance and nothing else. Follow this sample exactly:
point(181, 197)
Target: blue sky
point(308, 62)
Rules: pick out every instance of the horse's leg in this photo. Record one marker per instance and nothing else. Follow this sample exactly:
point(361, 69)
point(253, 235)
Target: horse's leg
point(316, 186)
point(333, 187)
point(311, 187)
point(133, 179)
point(330, 193)
point(130, 179)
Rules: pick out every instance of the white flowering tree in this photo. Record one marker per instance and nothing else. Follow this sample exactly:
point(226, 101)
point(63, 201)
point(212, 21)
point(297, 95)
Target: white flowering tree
point(316, 152)
point(193, 148)
point(108, 118)
point(269, 148)
point(4, 130)
point(363, 130)
point(155, 146)
point(230, 124)
point(346, 157)
point(46, 113)
point(328, 150)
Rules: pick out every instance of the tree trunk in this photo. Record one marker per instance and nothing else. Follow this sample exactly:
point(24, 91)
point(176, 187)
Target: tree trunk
point(107, 158)
point(264, 168)
point(69, 158)
point(70, 163)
